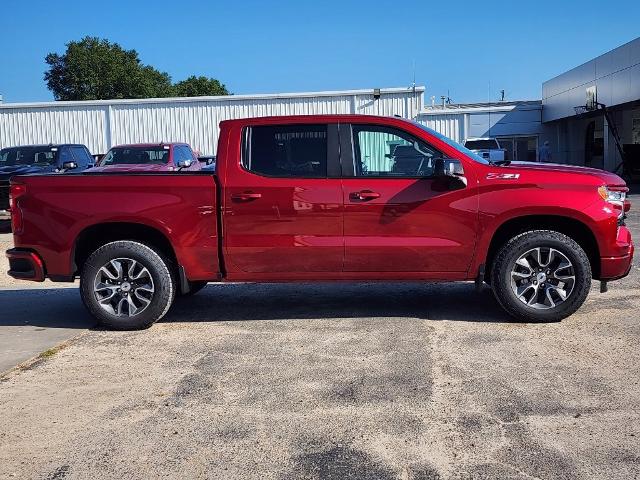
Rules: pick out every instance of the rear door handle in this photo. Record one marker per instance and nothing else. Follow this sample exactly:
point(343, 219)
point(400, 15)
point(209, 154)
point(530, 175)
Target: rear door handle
point(364, 195)
point(246, 196)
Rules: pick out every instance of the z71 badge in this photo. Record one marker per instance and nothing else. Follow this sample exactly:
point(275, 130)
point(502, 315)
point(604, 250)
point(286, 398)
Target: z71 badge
point(503, 176)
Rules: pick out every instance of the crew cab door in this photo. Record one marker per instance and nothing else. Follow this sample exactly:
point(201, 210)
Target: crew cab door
point(282, 212)
point(399, 215)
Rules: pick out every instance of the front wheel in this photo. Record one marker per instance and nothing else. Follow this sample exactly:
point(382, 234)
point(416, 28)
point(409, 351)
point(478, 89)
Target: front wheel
point(127, 285)
point(541, 276)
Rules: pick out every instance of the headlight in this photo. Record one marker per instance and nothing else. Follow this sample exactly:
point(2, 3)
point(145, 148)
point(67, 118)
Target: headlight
point(616, 195)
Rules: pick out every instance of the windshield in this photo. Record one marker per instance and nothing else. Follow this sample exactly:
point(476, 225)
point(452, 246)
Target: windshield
point(32, 156)
point(453, 144)
point(482, 144)
point(136, 156)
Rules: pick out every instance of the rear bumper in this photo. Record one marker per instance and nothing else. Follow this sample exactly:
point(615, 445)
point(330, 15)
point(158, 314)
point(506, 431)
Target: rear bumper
point(5, 214)
point(25, 265)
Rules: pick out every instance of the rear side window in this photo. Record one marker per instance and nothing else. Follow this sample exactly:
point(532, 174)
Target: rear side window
point(286, 150)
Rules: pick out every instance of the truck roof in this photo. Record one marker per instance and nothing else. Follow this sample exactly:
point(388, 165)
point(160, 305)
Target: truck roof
point(46, 145)
point(156, 144)
point(314, 118)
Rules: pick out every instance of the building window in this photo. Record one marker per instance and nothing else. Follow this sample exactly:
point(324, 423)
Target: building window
point(520, 149)
point(635, 131)
point(594, 145)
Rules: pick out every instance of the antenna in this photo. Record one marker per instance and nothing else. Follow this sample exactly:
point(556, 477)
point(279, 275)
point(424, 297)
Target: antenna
point(414, 75)
point(413, 85)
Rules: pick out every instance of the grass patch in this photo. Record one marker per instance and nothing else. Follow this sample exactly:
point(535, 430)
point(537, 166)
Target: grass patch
point(49, 353)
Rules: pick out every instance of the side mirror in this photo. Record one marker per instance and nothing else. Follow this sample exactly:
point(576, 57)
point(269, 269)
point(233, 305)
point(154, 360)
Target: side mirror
point(69, 166)
point(184, 163)
point(447, 168)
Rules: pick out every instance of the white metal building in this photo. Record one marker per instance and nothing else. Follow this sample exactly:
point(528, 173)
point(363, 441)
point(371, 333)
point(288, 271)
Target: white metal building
point(101, 124)
point(517, 125)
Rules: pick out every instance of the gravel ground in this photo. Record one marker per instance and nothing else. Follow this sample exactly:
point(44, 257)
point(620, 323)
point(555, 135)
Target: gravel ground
point(362, 381)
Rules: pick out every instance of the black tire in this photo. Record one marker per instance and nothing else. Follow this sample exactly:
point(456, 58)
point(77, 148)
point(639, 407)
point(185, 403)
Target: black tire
point(194, 287)
point(158, 270)
point(506, 259)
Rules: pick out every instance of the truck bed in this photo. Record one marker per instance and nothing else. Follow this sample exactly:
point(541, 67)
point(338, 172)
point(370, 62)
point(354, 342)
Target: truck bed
point(59, 211)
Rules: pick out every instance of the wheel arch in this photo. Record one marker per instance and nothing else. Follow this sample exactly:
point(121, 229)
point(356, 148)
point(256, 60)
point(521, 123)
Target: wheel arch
point(94, 236)
point(572, 227)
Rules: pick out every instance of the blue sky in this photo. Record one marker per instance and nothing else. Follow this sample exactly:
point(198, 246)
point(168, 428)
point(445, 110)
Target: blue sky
point(471, 49)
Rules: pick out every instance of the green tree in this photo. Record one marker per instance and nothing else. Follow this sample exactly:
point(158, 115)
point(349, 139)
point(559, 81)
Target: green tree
point(96, 69)
point(199, 86)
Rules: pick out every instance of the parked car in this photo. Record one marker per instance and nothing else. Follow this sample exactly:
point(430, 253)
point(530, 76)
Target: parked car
point(325, 198)
point(208, 162)
point(486, 147)
point(38, 159)
point(148, 157)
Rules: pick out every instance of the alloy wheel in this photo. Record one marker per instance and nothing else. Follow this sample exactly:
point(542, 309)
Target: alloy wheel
point(123, 287)
point(542, 278)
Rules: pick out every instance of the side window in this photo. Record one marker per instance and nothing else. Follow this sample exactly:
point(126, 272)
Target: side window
point(181, 153)
point(188, 153)
point(381, 151)
point(65, 155)
point(177, 154)
point(286, 150)
point(81, 157)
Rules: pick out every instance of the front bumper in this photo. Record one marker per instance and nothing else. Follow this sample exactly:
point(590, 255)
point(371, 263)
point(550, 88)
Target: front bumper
point(613, 268)
point(5, 215)
point(25, 265)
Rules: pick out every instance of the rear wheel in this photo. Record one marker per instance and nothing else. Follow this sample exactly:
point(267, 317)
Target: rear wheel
point(127, 285)
point(541, 276)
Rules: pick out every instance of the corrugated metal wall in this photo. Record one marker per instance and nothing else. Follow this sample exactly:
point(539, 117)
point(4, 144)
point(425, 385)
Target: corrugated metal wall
point(20, 126)
point(100, 125)
point(449, 125)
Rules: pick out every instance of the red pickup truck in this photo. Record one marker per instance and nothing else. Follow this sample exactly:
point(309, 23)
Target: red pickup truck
point(324, 198)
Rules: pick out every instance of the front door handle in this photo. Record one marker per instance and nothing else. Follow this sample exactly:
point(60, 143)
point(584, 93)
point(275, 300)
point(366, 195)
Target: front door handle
point(364, 195)
point(245, 196)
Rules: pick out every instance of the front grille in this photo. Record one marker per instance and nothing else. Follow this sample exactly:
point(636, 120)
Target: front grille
point(4, 195)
